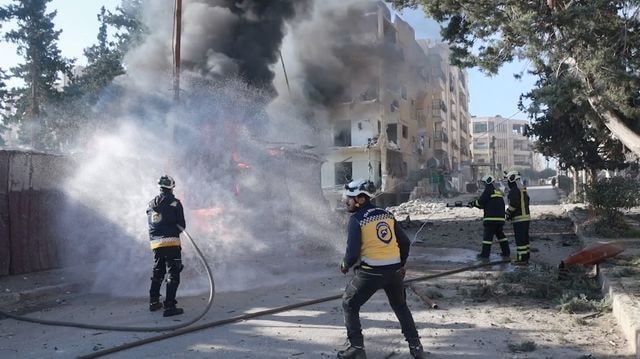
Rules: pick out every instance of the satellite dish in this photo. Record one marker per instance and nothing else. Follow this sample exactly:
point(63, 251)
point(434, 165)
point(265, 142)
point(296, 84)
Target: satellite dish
point(432, 163)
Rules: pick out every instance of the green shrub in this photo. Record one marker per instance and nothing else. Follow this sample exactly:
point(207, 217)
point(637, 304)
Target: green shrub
point(608, 196)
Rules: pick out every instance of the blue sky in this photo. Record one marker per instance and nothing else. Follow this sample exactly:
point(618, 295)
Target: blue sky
point(489, 96)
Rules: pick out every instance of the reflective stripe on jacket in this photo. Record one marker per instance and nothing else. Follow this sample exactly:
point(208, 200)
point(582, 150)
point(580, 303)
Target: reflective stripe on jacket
point(492, 202)
point(518, 203)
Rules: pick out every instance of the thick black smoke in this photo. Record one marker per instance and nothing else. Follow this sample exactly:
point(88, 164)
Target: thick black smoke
point(237, 38)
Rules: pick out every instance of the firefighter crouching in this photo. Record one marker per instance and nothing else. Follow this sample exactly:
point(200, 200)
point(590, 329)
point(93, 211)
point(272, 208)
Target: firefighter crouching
point(492, 202)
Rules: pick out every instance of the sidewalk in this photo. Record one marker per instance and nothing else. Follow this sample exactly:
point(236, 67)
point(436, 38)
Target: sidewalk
point(624, 291)
point(26, 291)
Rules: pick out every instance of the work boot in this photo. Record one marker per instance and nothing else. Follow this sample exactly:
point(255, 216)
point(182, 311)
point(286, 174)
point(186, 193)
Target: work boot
point(171, 311)
point(482, 257)
point(154, 304)
point(352, 352)
point(417, 351)
point(506, 252)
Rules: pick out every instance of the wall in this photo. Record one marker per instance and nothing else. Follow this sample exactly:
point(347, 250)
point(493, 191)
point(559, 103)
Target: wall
point(29, 195)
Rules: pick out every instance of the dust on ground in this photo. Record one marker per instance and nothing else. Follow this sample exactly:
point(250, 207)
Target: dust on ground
point(509, 312)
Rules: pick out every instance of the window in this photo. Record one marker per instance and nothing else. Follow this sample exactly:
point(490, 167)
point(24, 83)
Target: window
point(521, 145)
point(342, 134)
point(343, 172)
point(518, 130)
point(405, 131)
point(392, 132)
point(479, 127)
point(480, 145)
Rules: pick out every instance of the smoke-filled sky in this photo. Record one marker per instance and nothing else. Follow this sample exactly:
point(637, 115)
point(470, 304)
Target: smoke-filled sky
point(489, 95)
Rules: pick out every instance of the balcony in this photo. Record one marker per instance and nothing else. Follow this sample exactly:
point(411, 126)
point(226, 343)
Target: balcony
point(441, 136)
point(439, 104)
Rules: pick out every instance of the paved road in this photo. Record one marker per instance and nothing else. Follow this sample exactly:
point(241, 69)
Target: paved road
point(543, 195)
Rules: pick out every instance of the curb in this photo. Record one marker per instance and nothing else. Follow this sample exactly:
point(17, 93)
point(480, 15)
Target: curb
point(625, 309)
point(31, 294)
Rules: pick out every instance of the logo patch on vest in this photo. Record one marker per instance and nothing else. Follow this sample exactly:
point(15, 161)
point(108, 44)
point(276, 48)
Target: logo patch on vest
point(384, 233)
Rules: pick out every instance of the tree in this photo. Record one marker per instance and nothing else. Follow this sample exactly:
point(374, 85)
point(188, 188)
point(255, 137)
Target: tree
point(565, 127)
point(104, 63)
point(596, 41)
point(36, 39)
point(127, 21)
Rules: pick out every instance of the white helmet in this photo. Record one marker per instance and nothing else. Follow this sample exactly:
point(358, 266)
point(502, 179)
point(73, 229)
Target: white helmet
point(488, 179)
point(166, 182)
point(512, 176)
point(360, 186)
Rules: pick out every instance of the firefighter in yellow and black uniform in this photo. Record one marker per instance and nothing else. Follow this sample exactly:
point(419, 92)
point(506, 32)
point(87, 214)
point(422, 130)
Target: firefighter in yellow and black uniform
point(492, 202)
point(518, 212)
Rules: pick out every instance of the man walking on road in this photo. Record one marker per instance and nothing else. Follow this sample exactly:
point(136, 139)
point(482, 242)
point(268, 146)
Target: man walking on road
point(381, 248)
point(518, 212)
point(165, 214)
point(491, 201)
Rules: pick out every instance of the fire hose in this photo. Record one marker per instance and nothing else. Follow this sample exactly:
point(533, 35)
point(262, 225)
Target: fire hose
point(281, 309)
point(133, 329)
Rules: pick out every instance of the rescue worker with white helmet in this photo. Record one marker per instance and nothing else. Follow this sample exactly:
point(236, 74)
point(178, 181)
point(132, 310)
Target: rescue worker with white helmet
point(518, 212)
point(165, 214)
point(377, 249)
point(491, 201)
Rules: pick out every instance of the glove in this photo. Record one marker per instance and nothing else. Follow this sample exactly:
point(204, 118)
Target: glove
point(343, 268)
point(471, 204)
point(401, 272)
point(508, 216)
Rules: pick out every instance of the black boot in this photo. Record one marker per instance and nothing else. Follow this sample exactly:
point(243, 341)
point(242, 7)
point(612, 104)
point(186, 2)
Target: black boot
point(154, 304)
point(504, 247)
point(352, 352)
point(171, 311)
point(416, 351)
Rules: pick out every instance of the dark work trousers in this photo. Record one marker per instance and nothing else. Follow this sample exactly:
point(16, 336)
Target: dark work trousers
point(166, 258)
point(363, 285)
point(521, 232)
point(491, 229)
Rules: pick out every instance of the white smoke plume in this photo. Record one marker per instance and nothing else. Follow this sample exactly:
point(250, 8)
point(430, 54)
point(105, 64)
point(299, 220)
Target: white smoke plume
point(253, 205)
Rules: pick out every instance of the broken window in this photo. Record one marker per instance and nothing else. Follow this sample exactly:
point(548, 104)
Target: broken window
point(342, 134)
point(343, 172)
point(392, 133)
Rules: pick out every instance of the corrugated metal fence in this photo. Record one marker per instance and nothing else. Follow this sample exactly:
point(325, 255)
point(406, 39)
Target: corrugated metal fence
point(29, 196)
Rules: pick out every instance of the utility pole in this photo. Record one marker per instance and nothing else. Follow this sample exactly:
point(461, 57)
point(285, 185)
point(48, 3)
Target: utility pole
point(493, 154)
point(383, 141)
point(176, 50)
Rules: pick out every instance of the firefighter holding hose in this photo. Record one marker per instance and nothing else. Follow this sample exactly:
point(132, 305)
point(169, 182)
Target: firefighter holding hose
point(491, 201)
point(378, 249)
point(165, 214)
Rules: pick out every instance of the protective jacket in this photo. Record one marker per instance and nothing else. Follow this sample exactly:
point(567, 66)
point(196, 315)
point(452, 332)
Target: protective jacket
point(518, 209)
point(492, 202)
point(164, 214)
point(375, 239)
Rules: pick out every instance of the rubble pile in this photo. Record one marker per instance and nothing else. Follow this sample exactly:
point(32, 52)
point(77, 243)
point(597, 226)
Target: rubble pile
point(428, 206)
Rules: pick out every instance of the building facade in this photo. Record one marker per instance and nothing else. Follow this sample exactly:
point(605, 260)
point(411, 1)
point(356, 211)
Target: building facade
point(499, 144)
point(413, 119)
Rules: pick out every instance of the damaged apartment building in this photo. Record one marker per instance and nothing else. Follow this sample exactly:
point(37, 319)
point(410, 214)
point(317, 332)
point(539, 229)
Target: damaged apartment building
point(408, 128)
